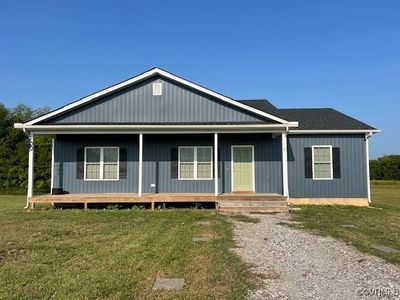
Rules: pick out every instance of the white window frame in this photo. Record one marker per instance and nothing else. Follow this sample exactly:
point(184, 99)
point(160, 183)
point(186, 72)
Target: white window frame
point(194, 162)
point(101, 164)
point(331, 161)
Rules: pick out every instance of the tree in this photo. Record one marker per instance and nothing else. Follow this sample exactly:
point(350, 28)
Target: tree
point(14, 150)
point(385, 168)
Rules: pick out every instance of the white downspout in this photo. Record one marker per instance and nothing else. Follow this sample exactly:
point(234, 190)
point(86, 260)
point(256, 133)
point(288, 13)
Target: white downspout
point(367, 136)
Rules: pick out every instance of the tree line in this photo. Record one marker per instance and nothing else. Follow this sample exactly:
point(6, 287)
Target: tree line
point(14, 153)
point(385, 168)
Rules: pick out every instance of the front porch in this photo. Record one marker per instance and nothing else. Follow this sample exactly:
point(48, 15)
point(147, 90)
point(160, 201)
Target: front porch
point(239, 171)
point(223, 202)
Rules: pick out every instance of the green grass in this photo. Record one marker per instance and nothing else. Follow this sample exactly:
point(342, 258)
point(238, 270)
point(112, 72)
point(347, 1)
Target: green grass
point(379, 225)
point(118, 254)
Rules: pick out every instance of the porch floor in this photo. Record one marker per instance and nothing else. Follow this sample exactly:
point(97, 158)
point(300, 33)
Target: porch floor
point(220, 200)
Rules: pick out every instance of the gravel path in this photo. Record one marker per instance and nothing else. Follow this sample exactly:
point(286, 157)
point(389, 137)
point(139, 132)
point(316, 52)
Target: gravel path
point(294, 264)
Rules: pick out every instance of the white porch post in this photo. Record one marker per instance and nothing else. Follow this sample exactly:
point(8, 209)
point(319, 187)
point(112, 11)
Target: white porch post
point(367, 136)
point(52, 166)
point(30, 169)
point(284, 166)
point(140, 164)
point(216, 164)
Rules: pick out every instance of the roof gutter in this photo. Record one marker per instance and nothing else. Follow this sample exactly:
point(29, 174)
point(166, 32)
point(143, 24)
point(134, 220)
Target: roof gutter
point(333, 131)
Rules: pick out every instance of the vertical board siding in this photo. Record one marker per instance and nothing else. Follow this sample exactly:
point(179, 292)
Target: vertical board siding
point(65, 164)
point(352, 182)
point(136, 104)
point(267, 156)
point(157, 166)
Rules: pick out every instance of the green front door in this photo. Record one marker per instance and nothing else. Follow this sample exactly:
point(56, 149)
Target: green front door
point(242, 169)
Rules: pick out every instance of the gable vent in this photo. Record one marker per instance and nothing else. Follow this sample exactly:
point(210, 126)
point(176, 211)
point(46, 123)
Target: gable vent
point(157, 89)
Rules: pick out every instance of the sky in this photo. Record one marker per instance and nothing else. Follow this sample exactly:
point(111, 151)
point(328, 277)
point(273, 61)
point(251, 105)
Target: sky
point(342, 54)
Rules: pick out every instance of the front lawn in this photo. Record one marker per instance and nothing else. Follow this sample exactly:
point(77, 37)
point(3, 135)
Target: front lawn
point(77, 254)
point(375, 226)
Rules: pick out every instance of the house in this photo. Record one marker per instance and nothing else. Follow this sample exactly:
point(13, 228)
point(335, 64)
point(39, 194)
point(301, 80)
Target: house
point(158, 137)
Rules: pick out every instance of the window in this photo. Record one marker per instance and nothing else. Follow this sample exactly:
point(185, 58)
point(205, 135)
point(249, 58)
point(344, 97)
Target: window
point(157, 89)
point(101, 163)
point(195, 163)
point(322, 162)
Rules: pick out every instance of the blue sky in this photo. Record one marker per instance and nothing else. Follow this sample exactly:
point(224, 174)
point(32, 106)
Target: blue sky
point(340, 54)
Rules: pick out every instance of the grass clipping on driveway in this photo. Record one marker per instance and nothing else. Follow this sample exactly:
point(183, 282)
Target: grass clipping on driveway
point(79, 254)
point(378, 225)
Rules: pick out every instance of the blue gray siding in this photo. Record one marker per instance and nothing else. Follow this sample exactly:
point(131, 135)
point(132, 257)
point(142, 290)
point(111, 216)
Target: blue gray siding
point(157, 166)
point(353, 181)
point(268, 160)
point(136, 104)
point(65, 152)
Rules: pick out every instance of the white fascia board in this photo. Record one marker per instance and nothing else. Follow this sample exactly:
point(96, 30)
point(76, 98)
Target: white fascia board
point(152, 129)
point(146, 75)
point(294, 131)
point(149, 127)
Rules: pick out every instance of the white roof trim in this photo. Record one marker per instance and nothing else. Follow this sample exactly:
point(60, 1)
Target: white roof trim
point(130, 129)
point(145, 75)
point(343, 131)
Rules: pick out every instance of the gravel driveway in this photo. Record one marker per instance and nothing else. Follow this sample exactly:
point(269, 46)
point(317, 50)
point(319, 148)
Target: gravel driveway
point(294, 264)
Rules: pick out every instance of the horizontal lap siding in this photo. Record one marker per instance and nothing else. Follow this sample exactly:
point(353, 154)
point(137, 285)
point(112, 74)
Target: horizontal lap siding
point(137, 104)
point(65, 164)
point(352, 182)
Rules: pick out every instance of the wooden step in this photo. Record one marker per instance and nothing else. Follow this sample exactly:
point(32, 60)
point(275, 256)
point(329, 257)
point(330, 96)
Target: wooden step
point(251, 198)
point(252, 203)
point(254, 209)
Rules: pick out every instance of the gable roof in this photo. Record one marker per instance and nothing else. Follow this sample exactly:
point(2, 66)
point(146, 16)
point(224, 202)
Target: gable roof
point(146, 75)
point(312, 118)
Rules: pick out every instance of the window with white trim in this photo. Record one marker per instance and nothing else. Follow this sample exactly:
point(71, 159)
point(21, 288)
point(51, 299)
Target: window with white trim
point(101, 163)
point(195, 163)
point(322, 162)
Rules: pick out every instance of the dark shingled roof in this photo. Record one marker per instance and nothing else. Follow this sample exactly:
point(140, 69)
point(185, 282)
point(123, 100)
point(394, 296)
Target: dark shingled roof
point(310, 118)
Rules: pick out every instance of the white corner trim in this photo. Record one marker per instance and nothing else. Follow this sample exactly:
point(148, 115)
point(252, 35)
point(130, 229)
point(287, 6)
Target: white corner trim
point(145, 75)
point(367, 136)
